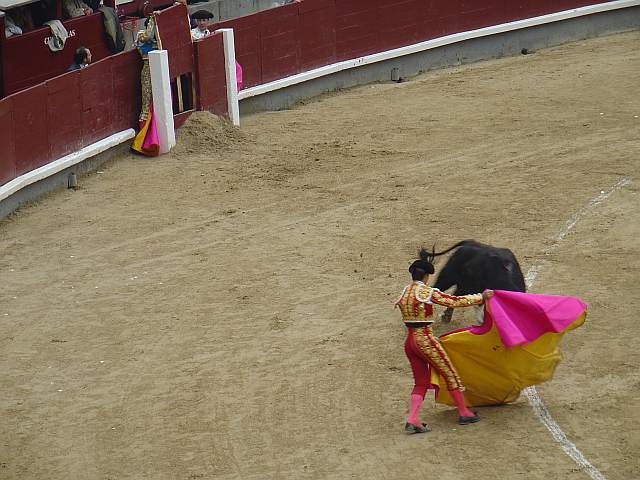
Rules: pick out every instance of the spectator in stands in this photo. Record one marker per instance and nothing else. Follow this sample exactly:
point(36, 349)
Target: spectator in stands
point(43, 11)
point(22, 18)
point(202, 18)
point(75, 8)
point(93, 4)
point(10, 27)
point(81, 59)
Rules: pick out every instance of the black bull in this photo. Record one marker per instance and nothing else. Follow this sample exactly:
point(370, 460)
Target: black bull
point(475, 267)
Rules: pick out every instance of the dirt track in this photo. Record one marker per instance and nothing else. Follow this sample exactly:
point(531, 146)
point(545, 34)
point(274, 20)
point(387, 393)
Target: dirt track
point(226, 311)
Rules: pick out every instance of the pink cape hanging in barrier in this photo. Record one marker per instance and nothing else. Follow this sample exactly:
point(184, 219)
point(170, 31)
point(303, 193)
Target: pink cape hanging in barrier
point(238, 75)
point(146, 141)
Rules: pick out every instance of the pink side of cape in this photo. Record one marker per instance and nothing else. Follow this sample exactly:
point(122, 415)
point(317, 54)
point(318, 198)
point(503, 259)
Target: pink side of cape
point(239, 75)
point(151, 143)
point(521, 318)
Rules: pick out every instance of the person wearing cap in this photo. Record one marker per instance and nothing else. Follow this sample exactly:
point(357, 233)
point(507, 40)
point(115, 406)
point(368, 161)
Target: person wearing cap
point(423, 349)
point(202, 18)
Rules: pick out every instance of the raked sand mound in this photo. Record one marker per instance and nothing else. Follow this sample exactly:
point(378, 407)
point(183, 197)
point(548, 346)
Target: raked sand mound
point(204, 131)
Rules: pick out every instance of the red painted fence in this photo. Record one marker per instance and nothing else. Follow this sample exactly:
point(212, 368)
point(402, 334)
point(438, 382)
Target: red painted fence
point(28, 61)
point(294, 38)
point(64, 114)
point(211, 80)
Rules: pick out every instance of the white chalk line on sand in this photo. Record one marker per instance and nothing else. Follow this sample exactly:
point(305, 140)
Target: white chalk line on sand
point(531, 393)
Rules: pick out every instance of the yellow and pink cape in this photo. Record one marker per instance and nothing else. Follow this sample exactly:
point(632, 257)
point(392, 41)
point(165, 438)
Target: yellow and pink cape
point(515, 347)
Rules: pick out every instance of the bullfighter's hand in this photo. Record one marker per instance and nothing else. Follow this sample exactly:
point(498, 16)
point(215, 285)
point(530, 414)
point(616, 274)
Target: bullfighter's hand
point(486, 295)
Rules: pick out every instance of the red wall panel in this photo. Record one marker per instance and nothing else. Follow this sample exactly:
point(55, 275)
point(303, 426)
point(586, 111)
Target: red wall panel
point(175, 37)
point(486, 12)
point(316, 33)
point(534, 8)
point(64, 114)
point(403, 22)
point(279, 42)
point(246, 32)
point(449, 15)
point(126, 99)
point(31, 137)
point(7, 141)
point(476, 14)
point(306, 6)
point(211, 84)
point(42, 63)
point(357, 28)
point(435, 25)
point(43, 123)
point(96, 93)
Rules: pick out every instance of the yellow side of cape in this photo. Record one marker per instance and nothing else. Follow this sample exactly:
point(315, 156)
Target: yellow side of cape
point(138, 141)
point(493, 374)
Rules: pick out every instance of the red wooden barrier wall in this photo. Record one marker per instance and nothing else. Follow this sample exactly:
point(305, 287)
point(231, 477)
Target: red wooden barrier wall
point(32, 137)
point(402, 22)
point(7, 142)
point(357, 25)
point(276, 43)
point(246, 32)
point(96, 110)
point(279, 42)
point(28, 60)
point(60, 116)
point(211, 79)
point(176, 39)
point(316, 33)
point(126, 100)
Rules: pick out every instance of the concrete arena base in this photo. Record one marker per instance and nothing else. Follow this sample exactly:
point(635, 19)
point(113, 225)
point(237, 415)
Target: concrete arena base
point(35, 191)
point(468, 51)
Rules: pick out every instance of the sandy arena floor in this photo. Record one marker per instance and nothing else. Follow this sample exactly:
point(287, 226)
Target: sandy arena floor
point(226, 311)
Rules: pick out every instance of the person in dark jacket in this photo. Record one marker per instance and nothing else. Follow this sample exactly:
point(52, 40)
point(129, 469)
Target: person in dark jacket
point(81, 59)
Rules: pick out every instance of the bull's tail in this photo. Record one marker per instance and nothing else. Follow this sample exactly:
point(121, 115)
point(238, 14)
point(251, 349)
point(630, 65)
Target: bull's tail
point(459, 244)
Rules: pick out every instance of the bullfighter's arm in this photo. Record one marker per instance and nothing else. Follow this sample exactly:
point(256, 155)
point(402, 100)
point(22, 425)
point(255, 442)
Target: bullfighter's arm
point(454, 301)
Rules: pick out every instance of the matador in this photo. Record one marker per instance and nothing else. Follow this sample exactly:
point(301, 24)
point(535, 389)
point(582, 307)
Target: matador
point(423, 349)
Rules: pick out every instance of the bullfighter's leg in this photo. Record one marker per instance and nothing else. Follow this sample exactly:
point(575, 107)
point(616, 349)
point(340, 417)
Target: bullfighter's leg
point(420, 369)
point(432, 350)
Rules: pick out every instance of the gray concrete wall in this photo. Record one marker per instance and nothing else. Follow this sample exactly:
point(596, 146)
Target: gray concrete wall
point(495, 46)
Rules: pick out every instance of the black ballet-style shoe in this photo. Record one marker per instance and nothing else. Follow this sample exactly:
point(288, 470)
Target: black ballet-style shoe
point(411, 428)
point(462, 420)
